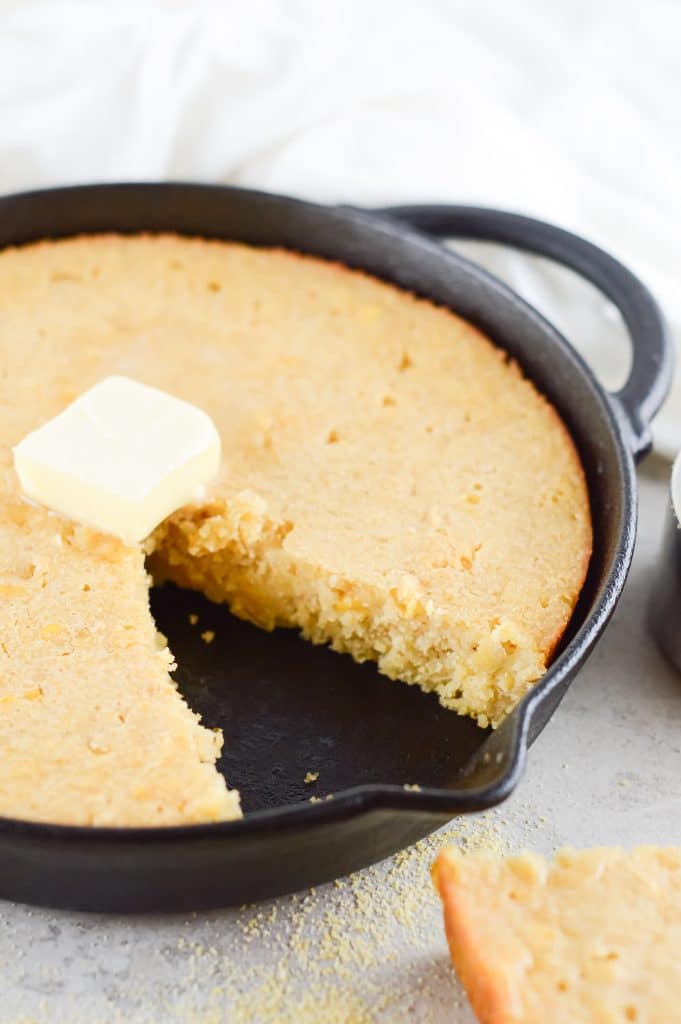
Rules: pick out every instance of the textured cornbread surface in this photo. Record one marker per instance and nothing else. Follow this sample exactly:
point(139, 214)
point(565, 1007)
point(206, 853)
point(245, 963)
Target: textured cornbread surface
point(592, 937)
point(390, 485)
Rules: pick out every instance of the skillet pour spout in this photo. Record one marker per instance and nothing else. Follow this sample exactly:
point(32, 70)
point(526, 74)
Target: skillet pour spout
point(285, 842)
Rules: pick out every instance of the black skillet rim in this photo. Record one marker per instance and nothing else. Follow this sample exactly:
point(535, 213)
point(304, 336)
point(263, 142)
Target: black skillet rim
point(358, 800)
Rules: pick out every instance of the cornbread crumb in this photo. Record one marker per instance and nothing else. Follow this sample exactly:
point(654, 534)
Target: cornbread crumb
point(208, 636)
point(193, 619)
point(592, 935)
point(311, 777)
point(329, 958)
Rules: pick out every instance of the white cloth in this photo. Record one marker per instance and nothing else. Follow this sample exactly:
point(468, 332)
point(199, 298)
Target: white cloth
point(567, 111)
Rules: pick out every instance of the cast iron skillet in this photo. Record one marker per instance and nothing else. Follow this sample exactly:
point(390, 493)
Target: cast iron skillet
point(287, 708)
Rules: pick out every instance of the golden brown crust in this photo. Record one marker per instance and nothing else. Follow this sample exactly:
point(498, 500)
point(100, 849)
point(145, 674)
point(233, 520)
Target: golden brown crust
point(482, 985)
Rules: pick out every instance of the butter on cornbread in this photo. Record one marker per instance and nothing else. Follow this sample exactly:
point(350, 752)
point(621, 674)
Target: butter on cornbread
point(390, 485)
point(591, 937)
point(121, 458)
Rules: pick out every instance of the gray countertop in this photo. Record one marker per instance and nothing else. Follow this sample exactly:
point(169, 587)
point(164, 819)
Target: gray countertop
point(371, 948)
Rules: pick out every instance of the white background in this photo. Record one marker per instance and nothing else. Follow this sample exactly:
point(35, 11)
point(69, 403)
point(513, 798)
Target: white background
point(566, 110)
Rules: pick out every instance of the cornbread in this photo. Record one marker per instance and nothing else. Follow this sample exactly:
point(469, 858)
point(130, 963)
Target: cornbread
point(390, 485)
point(592, 937)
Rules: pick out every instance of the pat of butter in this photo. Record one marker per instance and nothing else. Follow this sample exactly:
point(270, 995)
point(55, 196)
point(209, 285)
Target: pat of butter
point(120, 458)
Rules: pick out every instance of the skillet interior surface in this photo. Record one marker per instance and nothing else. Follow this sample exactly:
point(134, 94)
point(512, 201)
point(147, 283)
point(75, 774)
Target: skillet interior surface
point(285, 707)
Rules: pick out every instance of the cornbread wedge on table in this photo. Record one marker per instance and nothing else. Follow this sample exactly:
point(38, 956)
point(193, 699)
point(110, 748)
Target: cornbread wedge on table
point(391, 485)
point(592, 937)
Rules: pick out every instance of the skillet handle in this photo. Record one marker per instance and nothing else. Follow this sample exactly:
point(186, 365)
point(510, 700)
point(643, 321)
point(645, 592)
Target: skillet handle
point(651, 362)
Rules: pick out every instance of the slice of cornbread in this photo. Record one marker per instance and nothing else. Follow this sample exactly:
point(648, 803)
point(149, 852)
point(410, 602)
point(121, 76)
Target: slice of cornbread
point(593, 937)
point(391, 485)
point(92, 730)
